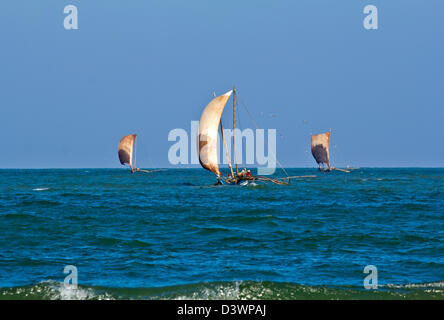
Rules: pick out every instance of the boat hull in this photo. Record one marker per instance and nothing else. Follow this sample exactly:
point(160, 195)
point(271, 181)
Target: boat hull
point(239, 183)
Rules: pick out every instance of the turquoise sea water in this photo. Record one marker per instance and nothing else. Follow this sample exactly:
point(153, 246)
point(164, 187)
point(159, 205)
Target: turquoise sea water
point(172, 234)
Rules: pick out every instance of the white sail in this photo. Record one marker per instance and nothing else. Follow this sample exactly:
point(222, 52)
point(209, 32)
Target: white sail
point(126, 149)
point(208, 132)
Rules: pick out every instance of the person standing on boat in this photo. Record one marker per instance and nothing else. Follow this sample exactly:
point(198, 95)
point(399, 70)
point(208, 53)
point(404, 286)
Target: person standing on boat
point(134, 170)
point(218, 182)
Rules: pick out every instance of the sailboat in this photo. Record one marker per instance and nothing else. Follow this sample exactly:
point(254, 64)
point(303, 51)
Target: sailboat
point(209, 124)
point(125, 151)
point(127, 147)
point(320, 149)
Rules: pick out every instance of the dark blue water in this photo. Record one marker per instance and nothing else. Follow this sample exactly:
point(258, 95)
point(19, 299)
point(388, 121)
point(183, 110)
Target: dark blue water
point(171, 234)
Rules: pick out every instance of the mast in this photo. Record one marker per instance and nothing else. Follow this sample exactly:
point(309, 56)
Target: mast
point(226, 149)
point(135, 153)
point(234, 127)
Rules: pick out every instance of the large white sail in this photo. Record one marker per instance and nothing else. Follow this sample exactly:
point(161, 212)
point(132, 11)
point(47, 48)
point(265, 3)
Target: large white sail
point(208, 132)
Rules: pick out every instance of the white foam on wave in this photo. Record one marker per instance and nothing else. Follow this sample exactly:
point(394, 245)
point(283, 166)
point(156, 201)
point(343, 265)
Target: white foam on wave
point(40, 189)
point(437, 284)
point(436, 287)
point(59, 291)
point(219, 292)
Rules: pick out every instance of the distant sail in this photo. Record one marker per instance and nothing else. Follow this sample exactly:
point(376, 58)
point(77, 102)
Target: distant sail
point(126, 149)
point(208, 129)
point(320, 145)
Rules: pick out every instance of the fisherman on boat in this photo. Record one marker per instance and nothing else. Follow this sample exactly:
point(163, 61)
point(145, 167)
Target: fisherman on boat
point(246, 173)
point(219, 181)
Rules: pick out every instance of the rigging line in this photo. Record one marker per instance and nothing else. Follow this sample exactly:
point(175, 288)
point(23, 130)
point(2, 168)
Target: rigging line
point(257, 127)
point(234, 125)
point(339, 155)
point(226, 149)
point(135, 148)
point(240, 126)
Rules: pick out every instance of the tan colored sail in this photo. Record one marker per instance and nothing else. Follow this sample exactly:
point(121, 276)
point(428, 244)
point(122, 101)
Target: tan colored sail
point(320, 145)
point(126, 149)
point(208, 129)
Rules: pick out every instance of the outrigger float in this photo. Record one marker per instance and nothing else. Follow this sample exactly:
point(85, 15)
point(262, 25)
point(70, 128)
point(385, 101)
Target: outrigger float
point(126, 149)
point(209, 124)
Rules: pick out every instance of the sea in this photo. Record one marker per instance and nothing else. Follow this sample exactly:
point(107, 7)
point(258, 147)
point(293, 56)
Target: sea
point(171, 234)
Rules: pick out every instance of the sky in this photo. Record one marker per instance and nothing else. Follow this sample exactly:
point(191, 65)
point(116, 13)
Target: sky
point(148, 67)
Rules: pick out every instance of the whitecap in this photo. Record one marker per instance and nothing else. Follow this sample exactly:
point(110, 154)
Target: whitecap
point(40, 189)
point(54, 290)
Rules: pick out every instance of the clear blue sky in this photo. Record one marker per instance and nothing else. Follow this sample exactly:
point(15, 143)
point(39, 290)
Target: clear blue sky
point(146, 67)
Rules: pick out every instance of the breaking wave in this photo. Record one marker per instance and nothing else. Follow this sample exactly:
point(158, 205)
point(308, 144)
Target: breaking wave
point(235, 290)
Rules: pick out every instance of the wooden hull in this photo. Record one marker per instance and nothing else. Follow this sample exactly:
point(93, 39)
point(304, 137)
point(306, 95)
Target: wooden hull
point(239, 183)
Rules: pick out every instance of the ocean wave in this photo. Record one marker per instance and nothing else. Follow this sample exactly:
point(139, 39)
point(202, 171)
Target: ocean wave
point(40, 189)
point(230, 290)
point(52, 290)
point(34, 203)
point(439, 285)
